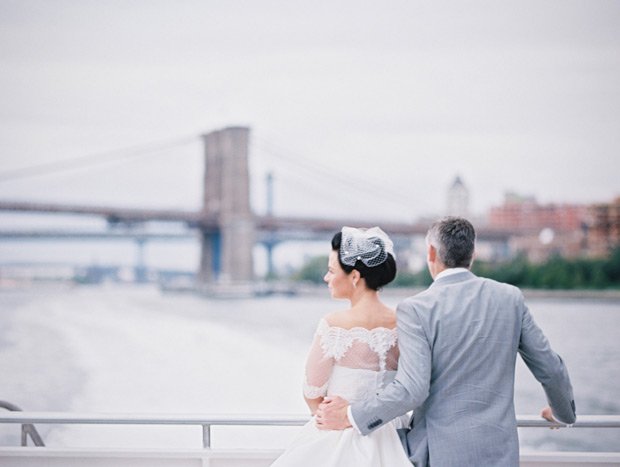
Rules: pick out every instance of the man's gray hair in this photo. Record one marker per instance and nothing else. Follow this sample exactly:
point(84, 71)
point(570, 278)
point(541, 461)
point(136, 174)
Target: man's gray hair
point(454, 239)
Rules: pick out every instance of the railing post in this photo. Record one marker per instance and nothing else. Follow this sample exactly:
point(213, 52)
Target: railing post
point(27, 428)
point(206, 436)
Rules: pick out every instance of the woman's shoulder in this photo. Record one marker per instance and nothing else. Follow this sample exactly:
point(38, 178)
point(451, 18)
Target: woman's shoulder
point(337, 319)
point(387, 319)
point(344, 319)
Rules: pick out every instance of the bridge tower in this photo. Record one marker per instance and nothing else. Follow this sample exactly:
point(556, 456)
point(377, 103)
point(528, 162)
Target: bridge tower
point(226, 252)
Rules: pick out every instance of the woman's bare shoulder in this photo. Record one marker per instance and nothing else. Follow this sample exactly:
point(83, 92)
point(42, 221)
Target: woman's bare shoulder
point(385, 317)
point(388, 318)
point(338, 319)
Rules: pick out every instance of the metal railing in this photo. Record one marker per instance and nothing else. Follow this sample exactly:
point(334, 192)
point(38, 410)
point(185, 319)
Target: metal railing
point(27, 428)
point(206, 421)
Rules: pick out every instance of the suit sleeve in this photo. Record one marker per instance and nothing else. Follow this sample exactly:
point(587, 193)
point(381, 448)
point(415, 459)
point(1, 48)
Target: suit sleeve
point(548, 369)
point(411, 385)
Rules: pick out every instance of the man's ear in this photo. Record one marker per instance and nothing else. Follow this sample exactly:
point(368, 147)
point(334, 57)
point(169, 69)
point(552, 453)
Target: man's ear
point(432, 254)
point(473, 257)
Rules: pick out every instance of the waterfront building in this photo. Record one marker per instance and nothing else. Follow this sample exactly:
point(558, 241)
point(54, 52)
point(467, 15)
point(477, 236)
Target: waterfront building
point(523, 214)
point(603, 228)
point(458, 199)
point(541, 231)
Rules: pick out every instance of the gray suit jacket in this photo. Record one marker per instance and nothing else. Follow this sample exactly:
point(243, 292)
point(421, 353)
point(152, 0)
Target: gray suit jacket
point(458, 346)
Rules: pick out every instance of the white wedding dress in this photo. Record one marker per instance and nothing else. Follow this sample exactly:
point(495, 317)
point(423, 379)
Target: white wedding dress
point(353, 364)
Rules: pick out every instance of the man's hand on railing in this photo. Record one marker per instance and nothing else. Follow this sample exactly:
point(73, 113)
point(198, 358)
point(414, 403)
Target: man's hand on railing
point(548, 415)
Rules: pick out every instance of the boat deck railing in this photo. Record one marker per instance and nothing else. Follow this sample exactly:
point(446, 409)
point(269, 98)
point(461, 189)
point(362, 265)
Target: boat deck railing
point(206, 421)
point(243, 456)
point(27, 428)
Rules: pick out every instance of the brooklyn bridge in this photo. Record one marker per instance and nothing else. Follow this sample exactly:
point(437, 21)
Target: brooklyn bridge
point(225, 225)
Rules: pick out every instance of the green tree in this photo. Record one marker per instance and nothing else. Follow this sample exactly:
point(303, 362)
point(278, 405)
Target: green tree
point(313, 271)
point(611, 267)
point(409, 279)
point(404, 279)
point(556, 273)
point(599, 279)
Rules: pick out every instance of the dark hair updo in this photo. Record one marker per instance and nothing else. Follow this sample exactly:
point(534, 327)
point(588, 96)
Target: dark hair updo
point(376, 276)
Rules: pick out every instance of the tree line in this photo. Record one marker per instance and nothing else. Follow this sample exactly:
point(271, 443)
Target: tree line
point(556, 273)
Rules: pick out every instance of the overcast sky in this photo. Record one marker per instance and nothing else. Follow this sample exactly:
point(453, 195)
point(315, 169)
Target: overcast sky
point(389, 100)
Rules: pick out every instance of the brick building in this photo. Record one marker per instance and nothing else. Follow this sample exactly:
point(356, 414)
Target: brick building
point(524, 215)
point(603, 222)
point(541, 231)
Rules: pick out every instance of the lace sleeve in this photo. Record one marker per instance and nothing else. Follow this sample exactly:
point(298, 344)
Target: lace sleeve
point(318, 366)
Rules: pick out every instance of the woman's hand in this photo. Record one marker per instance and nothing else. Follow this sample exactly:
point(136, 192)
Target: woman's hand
point(332, 414)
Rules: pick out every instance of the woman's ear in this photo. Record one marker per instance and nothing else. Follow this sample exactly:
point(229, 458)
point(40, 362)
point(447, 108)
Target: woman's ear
point(355, 277)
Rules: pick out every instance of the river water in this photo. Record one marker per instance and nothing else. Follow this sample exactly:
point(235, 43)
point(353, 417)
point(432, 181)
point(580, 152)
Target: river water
point(134, 349)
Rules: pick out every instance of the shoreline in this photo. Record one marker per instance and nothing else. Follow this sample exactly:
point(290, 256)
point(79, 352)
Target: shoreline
point(551, 294)
point(301, 289)
point(579, 294)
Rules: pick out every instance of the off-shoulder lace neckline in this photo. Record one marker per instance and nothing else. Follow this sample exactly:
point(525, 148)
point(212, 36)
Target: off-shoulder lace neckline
point(359, 328)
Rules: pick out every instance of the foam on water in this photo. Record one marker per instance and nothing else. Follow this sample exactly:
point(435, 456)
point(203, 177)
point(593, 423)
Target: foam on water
point(120, 350)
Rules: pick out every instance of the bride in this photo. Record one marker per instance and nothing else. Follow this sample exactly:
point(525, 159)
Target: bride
point(354, 354)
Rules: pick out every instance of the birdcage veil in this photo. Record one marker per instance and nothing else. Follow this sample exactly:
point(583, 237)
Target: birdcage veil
point(370, 246)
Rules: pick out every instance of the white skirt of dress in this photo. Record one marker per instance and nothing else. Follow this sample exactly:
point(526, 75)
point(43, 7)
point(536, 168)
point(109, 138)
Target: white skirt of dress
point(346, 448)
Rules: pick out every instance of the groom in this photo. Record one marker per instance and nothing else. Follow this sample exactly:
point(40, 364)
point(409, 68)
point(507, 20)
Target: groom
point(458, 344)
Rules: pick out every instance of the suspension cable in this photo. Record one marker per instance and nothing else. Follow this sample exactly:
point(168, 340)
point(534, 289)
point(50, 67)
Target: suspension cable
point(354, 181)
point(84, 162)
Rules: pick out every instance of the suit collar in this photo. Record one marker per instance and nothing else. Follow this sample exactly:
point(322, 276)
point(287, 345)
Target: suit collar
point(454, 278)
point(449, 271)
